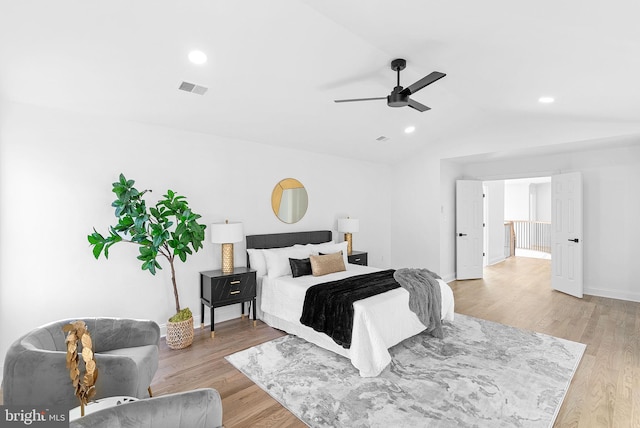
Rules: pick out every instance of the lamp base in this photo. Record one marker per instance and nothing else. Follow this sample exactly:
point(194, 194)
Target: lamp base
point(227, 258)
point(347, 237)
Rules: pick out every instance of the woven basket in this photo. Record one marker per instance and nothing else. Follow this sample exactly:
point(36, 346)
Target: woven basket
point(180, 334)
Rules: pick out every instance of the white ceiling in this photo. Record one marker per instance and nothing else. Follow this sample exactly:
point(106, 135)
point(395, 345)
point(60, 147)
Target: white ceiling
point(276, 66)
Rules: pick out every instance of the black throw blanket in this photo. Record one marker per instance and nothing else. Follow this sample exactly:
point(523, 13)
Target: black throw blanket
point(328, 307)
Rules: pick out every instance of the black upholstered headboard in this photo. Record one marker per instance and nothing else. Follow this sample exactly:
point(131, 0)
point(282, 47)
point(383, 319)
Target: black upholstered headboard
point(279, 240)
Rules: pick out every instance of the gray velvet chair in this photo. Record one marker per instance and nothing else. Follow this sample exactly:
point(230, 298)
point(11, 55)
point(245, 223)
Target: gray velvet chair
point(125, 351)
point(200, 408)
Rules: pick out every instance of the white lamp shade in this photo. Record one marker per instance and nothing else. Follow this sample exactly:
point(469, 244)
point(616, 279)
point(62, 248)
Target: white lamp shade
point(348, 225)
point(226, 233)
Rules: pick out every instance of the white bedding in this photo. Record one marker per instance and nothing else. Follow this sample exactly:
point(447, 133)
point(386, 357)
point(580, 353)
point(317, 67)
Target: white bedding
point(380, 321)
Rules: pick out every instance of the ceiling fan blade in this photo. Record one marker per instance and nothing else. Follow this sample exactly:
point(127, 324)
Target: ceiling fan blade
point(416, 105)
point(426, 80)
point(360, 99)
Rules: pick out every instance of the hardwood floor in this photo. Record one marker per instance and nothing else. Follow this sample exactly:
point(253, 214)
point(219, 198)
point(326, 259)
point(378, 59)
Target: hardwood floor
point(202, 365)
point(605, 391)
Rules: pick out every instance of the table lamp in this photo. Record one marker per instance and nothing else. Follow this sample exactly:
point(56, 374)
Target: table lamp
point(348, 226)
point(226, 234)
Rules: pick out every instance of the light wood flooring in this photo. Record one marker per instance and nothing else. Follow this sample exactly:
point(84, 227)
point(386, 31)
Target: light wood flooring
point(605, 391)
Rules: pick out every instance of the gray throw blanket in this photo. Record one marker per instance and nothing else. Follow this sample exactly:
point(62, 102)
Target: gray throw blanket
point(424, 297)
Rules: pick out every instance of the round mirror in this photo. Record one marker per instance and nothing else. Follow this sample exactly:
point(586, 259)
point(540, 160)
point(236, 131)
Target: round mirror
point(289, 200)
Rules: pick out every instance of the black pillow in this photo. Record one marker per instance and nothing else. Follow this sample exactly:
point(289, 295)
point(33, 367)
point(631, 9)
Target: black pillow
point(300, 267)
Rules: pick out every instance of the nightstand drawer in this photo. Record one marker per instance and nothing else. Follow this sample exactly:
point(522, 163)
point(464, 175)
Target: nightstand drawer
point(225, 289)
point(358, 258)
point(234, 287)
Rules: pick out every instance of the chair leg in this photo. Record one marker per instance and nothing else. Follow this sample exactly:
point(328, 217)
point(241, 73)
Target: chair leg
point(150, 393)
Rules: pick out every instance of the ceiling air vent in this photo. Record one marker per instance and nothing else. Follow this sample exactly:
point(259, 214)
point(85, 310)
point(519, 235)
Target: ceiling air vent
point(382, 138)
point(193, 88)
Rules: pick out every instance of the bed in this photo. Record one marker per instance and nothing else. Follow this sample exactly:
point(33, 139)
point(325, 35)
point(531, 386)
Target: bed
point(379, 322)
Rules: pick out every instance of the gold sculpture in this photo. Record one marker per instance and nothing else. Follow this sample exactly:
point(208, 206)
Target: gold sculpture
point(84, 388)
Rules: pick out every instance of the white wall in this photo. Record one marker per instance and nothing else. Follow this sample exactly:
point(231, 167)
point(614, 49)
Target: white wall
point(495, 221)
point(611, 180)
point(516, 197)
point(521, 194)
point(543, 202)
point(415, 213)
point(56, 170)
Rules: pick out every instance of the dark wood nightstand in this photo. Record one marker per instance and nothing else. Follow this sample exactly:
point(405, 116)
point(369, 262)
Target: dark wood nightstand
point(358, 258)
point(222, 289)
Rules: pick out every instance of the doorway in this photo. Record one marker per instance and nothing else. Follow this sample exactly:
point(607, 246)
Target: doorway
point(517, 219)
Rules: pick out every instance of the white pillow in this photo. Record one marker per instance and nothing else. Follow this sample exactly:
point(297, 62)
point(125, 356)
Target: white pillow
point(257, 261)
point(330, 248)
point(278, 259)
point(312, 245)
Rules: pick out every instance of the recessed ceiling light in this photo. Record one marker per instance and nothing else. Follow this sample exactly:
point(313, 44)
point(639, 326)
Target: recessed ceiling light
point(546, 100)
point(197, 57)
point(409, 129)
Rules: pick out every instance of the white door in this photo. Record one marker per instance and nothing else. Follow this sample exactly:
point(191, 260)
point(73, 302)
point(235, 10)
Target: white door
point(566, 233)
point(469, 229)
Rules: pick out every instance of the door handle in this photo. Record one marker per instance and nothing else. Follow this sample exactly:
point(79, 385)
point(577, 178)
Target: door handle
point(576, 240)
point(462, 234)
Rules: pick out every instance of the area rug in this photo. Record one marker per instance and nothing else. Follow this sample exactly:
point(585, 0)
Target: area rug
point(482, 374)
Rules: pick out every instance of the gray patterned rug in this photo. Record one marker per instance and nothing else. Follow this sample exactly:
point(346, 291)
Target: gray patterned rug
point(482, 374)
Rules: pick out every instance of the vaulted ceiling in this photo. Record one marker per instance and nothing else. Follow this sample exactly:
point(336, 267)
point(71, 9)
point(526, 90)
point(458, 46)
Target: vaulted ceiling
point(275, 67)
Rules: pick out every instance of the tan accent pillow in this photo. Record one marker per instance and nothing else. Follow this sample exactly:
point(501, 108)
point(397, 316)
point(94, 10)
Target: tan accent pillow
point(329, 263)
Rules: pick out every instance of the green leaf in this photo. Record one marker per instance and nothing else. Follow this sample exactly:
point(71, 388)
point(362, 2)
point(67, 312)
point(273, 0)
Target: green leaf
point(150, 266)
point(180, 229)
point(155, 213)
point(106, 249)
point(158, 240)
point(95, 237)
point(97, 249)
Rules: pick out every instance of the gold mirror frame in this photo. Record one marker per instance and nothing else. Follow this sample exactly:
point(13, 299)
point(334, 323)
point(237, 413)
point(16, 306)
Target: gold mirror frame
point(289, 200)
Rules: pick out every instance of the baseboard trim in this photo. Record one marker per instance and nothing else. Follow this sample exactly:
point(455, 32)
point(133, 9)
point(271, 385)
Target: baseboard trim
point(224, 313)
point(449, 277)
point(496, 260)
point(613, 294)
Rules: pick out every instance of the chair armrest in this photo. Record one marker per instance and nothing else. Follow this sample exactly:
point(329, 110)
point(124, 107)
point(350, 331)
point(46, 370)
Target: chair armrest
point(27, 369)
point(200, 408)
point(41, 375)
point(117, 375)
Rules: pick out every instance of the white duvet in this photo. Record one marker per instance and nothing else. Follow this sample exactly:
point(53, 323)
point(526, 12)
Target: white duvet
point(379, 323)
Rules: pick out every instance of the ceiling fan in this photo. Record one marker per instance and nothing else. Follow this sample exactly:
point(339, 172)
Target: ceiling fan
point(400, 96)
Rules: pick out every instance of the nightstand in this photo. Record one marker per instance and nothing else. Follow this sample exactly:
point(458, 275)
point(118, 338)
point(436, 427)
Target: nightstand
point(222, 289)
point(358, 258)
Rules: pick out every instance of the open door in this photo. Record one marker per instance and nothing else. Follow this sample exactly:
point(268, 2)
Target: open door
point(469, 229)
point(566, 233)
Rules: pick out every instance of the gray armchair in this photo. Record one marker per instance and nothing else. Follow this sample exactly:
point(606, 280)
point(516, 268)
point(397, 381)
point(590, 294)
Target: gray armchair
point(125, 351)
point(201, 408)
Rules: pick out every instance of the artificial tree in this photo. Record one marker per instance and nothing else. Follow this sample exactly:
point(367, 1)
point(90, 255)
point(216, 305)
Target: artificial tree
point(170, 229)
